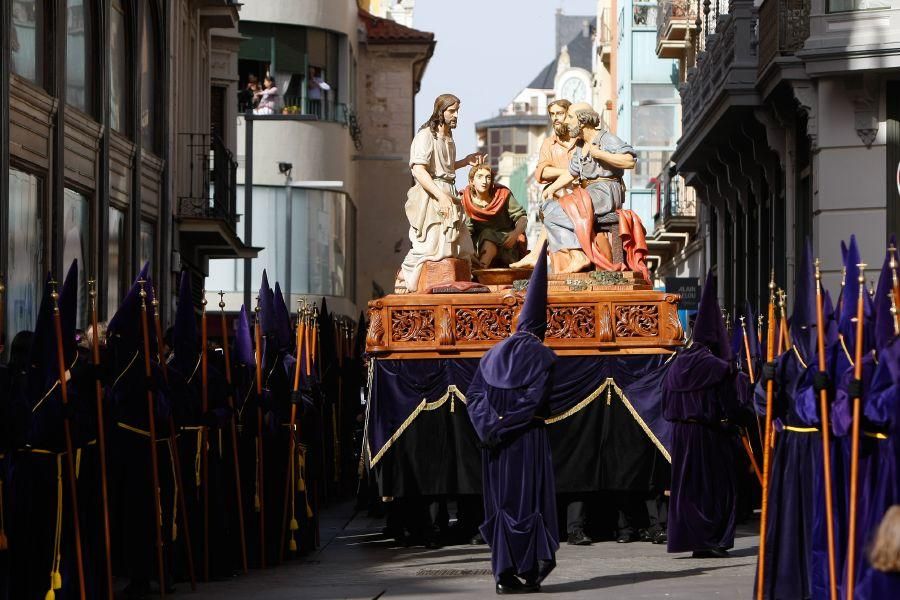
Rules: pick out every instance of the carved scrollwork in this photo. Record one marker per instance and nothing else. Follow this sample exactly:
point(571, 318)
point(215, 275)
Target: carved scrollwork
point(445, 328)
point(676, 332)
point(606, 328)
point(412, 325)
point(570, 322)
point(474, 324)
point(375, 335)
point(637, 320)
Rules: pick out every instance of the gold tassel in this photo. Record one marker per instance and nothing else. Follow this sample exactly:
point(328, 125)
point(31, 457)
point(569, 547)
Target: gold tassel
point(56, 577)
point(292, 546)
point(294, 524)
point(50, 595)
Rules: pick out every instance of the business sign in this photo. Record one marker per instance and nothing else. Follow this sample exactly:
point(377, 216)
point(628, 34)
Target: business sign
point(688, 288)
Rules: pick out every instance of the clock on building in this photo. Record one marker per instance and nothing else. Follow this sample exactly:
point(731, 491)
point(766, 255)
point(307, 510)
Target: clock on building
point(574, 89)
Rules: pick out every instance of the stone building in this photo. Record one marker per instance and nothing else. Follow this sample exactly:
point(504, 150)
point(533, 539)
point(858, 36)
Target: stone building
point(116, 145)
point(329, 157)
point(791, 128)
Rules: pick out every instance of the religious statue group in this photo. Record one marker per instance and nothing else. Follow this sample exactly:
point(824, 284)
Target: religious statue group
point(585, 223)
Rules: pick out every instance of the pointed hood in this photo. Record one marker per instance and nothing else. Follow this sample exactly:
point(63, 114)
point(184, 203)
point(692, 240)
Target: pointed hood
point(709, 328)
point(282, 318)
point(42, 356)
point(850, 297)
point(748, 329)
point(243, 341)
point(519, 359)
point(533, 316)
point(185, 336)
point(266, 306)
point(68, 312)
point(884, 320)
point(803, 317)
point(125, 325)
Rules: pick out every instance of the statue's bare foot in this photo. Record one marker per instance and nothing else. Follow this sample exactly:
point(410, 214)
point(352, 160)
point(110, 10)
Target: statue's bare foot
point(578, 262)
point(530, 260)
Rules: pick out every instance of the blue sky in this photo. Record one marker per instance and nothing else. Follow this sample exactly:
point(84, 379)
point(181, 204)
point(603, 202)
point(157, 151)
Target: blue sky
point(487, 50)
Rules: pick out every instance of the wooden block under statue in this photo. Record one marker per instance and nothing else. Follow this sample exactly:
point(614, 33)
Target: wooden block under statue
point(435, 272)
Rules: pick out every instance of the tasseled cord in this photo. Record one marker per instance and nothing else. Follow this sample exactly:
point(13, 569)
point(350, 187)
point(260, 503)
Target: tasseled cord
point(301, 482)
point(172, 451)
point(55, 576)
point(294, 526)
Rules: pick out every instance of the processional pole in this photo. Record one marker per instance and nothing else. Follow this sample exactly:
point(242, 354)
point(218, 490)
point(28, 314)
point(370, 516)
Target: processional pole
point(260, 464)
point(234, 436)
point(825, 422)
point(854, 436)
point(67, 431)
point(767, 453)
point(101, 434)
point(288, 527)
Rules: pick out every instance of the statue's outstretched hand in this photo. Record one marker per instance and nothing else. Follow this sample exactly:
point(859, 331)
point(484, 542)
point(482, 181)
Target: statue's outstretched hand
point(475, 158)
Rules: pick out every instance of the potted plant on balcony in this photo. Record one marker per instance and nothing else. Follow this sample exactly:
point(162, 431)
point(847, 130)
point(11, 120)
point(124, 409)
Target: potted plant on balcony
point(291, 110)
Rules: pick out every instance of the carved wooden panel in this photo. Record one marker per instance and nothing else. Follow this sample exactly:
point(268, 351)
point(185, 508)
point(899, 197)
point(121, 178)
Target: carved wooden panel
point(637, 320)
point(606, 327)
point(571, 322)
point(483, 323)
point(412, 325)
point(375, 335)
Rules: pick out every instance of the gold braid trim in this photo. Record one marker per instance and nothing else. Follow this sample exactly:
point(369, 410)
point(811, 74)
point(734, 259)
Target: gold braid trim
point(423, 405)
point(125, 370)
point(640, 421)
point(578, 407)
point(55, 385)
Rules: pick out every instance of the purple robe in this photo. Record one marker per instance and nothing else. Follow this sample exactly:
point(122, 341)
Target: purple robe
point(519, 490)
point(794, 486)
point(881, 487)
point(698, 394)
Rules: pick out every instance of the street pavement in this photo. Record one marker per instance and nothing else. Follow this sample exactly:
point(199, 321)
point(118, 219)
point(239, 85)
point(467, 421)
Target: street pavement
point(355, 563)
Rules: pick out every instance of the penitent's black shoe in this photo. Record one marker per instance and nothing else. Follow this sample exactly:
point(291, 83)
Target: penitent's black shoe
point(711, 553)
point(509, 584)
point(627, 538)
point(661, 537)
point(579, 538)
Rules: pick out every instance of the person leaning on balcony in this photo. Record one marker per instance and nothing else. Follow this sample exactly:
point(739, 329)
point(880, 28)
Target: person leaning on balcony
point(266, 97)
point(316, 88)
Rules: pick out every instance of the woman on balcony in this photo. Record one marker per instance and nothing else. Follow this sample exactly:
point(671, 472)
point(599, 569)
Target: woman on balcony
point(266, 97)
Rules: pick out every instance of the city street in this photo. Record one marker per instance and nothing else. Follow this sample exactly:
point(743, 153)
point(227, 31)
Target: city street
point(355, 563)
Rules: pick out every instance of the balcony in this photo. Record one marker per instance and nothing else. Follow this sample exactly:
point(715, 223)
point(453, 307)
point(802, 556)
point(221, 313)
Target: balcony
point(676, 19)
point(675, 219)
point(206, 215)
point(783, 29)
point(723, 79)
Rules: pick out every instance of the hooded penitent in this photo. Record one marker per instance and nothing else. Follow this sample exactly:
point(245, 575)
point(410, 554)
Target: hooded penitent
point(699, 393)
point(186, 337)
point(507, 401)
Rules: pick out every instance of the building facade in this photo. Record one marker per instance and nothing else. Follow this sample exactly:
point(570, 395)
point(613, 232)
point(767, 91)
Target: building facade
point(341, 119)
point(113, 114)
point(791, 130)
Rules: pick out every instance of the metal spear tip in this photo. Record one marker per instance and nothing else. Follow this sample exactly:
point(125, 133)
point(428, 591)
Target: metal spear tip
point(203, 297)
point(54, 295)
point(818, 271)
point(92, 287)
point(221, 299)
point(862, 272)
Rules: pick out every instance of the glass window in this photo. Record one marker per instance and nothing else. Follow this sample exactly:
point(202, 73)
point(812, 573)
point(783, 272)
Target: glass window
point(76, 54)
point(76, 244)
point(116, 260)
point(118, 69)
point(653, 116)
point(25, 246)
point(644, 14)
point(27, 38)
point(148, 245)
point(650, 164)
point(850, 5)
point(149, 61)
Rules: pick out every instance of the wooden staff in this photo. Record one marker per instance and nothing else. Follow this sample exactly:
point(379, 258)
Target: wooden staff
point(204, 433)
point(785, 328)
point(67, 431)
point(154, 459)
point(767, 451)
point(826, 436)
point(293, 438)
point(854, 437)
point(234, 436)
point(260, 478)
point(173, 450)
point(101, 436)
point(750, 371)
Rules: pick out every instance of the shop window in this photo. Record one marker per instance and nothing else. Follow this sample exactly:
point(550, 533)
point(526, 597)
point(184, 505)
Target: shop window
point(25, 274)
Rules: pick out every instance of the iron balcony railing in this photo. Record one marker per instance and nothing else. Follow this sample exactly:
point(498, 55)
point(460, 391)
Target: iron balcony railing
point(213, 180)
